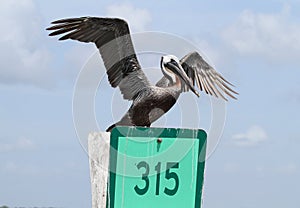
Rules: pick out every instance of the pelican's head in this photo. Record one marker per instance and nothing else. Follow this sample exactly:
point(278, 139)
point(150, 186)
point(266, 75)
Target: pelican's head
point(171, 67)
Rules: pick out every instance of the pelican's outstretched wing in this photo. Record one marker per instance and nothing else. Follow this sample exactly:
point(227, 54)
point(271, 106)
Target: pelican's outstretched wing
point(112, 38)
point(206, 77)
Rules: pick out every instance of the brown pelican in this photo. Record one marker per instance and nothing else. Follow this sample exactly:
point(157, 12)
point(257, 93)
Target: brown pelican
point(149, 102)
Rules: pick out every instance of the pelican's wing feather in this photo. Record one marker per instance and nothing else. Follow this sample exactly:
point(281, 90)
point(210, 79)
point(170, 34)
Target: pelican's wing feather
point(112, 38)
point(206, 77)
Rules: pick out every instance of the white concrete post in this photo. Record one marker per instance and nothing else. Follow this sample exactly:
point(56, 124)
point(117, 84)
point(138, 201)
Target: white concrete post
point(98, 148)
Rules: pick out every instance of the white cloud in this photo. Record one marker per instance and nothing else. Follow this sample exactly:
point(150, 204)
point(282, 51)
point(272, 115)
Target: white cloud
point(23, 144)
point(23, 55)
point(253, 136)
point(285, 168)
point(11, 167)
point(275, 36)
point(137, 18)
point(288, 169)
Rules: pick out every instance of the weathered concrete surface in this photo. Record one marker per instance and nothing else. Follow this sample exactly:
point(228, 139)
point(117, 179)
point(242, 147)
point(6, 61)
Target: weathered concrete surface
point(98, 147)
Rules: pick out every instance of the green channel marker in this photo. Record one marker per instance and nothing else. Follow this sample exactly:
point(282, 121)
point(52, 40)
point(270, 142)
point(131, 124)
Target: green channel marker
point(156, 167)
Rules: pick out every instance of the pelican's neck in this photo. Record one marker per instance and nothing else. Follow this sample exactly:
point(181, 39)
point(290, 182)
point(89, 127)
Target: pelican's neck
point(175, 88)
point(177, 82)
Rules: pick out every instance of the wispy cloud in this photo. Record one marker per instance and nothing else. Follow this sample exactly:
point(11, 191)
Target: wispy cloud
point(253, 136)
point(23, 169)
point(137, 18)
point(288, 169)
point(21, 144)
point(271, 36)
point(23, 56)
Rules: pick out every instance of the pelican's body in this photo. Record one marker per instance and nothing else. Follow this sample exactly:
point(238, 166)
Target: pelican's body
point(149, 106)
point(149, 102)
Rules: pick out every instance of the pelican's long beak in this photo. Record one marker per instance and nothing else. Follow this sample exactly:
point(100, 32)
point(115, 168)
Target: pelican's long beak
point(179, 71)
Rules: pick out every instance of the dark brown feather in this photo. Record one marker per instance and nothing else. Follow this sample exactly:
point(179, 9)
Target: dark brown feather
point(206, 77)
point(112, 38)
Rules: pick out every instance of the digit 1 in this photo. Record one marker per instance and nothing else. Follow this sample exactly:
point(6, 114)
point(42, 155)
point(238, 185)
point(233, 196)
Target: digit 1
point(157, 168)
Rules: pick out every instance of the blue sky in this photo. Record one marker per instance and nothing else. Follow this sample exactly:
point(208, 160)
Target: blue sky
point(254, 44)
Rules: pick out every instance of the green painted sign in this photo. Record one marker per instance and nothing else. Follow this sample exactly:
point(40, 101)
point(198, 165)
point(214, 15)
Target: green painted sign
point(156, 167)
